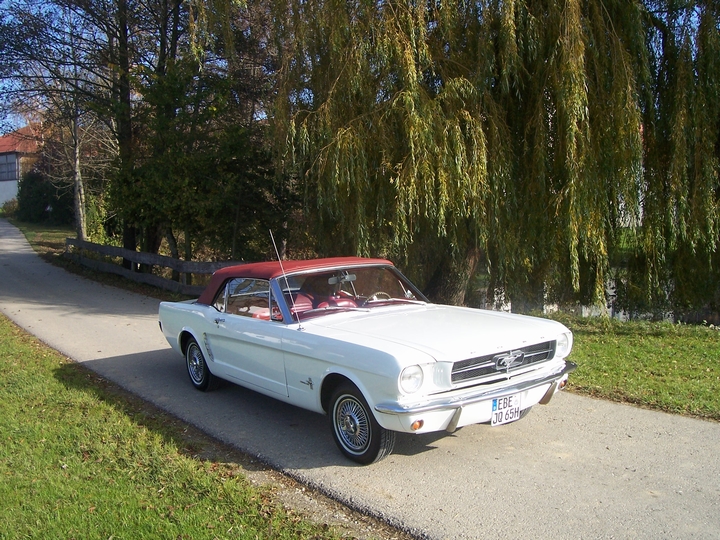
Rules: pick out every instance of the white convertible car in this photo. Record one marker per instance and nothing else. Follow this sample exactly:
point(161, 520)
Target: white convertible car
point(354, 339)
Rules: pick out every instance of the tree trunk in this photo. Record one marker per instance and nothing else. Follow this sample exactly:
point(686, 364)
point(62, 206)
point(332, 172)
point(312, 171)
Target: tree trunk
point(188, 256)
point(151, 239)
point(79, 187)
point(174, 253)
point(129, 242)
point(451, 279)
point(123, 119)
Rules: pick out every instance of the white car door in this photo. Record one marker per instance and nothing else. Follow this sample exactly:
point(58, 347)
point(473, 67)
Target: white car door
point(245, 340)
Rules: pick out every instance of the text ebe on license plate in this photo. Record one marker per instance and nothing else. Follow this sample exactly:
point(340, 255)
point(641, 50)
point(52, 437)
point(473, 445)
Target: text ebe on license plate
point(505, 409)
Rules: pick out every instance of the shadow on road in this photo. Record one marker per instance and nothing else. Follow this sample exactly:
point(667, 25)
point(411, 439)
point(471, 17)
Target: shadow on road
point(156, 394)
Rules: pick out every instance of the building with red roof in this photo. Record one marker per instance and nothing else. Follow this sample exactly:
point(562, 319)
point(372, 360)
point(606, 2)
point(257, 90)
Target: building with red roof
point(18, 151)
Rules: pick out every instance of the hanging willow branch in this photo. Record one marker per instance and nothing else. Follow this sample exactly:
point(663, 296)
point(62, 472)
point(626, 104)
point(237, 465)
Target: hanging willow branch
point(537, 131)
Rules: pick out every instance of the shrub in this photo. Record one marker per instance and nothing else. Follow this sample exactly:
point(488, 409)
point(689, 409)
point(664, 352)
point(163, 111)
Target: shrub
point(9, 208)
point(39, 201)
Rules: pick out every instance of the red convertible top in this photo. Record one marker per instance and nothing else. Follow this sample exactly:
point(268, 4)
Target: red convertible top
point(271, 269)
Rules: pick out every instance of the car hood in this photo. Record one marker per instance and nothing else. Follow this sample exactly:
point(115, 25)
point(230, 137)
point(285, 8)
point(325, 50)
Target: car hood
point(447, 333)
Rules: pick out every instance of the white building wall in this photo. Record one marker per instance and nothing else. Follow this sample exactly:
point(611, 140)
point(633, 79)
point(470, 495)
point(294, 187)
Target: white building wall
point(8, 190)
point(9, 175)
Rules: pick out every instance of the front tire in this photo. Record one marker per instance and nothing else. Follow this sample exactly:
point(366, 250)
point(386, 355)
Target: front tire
point(197, 367)
point(355, 430)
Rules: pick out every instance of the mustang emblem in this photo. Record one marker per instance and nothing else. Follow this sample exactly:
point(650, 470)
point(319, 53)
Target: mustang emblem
point(504, 361)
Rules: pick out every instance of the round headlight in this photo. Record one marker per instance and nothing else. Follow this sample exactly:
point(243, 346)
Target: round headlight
point(411, 379)
point(563, 345)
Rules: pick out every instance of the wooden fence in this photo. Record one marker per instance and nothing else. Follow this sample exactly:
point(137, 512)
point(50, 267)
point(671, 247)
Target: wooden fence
point(185, 268)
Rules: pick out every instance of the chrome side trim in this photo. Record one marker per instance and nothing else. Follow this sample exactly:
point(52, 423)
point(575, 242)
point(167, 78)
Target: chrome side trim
point(476, 396)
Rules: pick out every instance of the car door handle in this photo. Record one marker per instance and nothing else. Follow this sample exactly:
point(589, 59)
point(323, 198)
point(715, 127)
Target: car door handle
point(218, 321)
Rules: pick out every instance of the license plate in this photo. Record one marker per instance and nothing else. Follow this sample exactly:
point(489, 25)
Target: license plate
point(505, 410)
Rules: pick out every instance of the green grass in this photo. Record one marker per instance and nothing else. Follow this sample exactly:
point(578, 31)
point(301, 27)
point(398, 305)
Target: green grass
point(45, 239)
point(669, 367)
point(79, 458)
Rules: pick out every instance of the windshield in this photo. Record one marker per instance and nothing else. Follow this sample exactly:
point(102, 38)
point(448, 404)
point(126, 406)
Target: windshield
point(324, 292)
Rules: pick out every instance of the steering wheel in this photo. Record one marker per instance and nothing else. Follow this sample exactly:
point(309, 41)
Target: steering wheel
point(377, 295)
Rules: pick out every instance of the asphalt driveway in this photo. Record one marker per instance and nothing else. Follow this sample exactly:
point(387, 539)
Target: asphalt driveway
point(576, 468)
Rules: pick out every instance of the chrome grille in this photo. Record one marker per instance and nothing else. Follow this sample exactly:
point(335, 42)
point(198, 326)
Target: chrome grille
point(491, 364)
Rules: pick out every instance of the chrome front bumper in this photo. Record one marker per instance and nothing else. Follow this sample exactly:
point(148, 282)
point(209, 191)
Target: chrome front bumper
point(458, 401)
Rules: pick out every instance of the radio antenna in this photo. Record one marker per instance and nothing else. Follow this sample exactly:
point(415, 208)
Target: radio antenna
point(287, 284)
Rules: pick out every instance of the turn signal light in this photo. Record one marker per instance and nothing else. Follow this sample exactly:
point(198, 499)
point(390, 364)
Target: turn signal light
point(417, 424)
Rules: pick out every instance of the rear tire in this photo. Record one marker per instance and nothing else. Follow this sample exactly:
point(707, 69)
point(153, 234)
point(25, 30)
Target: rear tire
point(355, 430)
point(197, 368)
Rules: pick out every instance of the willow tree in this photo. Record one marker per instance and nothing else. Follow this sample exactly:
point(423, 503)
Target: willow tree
point(449, 133)
point(676, 265)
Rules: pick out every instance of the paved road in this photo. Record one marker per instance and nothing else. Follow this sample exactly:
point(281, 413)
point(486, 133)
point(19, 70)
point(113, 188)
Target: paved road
point(576, 468)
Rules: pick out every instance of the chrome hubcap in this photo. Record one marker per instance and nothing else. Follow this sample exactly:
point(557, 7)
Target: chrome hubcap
point(352, 424)
point(195, 365)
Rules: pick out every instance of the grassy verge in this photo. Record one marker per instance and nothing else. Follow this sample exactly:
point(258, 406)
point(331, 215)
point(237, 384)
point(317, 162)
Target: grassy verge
point(669, 367)
point(47, 240)
point(79, 459)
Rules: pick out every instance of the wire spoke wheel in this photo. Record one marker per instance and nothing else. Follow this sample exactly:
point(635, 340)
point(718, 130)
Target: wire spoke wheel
point(197, 368)
point(356, 431)
point(352, 424)
point(196, 364)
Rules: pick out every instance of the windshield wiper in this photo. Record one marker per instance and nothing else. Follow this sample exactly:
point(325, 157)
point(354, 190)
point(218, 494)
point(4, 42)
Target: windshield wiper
point(396, 301)
point(335, 308)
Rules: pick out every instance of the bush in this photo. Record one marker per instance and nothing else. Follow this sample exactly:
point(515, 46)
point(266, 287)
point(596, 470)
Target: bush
point(39, 201)
point(9, 208)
